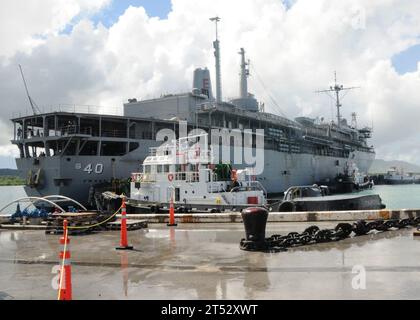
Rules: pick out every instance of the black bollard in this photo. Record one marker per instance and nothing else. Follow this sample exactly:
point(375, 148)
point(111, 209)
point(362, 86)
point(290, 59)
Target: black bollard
point(255, 221)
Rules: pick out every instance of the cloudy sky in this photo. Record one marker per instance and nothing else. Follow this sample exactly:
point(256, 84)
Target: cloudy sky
point(102, 52)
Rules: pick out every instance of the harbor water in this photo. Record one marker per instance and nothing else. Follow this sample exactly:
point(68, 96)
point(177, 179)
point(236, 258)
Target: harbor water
point(395, 197)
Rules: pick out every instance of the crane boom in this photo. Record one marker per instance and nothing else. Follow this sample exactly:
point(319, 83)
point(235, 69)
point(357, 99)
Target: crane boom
point(34, 107)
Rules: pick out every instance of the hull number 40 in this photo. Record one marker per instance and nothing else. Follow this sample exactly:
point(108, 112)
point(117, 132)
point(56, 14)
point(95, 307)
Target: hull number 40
point(98, 168)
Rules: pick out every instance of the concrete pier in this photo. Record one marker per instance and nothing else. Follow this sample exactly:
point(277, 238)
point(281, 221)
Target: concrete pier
point(203, 261)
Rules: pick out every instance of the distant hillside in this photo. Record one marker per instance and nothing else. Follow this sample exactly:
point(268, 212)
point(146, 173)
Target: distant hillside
point(382, 166)
point(8, 172)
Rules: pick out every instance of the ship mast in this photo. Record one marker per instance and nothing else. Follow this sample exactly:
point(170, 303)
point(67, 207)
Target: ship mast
point(216, 45)
point(354, 120)
point(337, 89)
point(243, 89)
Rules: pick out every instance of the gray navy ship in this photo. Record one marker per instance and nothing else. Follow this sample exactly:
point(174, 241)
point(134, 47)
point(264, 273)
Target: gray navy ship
point(67, 152)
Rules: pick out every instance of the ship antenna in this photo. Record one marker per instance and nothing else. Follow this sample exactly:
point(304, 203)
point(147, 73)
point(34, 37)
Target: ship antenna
point(34, 107)
point(216, 45)
point(243, 86)
point(337, 89)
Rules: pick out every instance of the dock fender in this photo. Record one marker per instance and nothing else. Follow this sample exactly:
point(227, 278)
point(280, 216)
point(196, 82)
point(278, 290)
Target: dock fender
point(154, 209)
point(287, 206)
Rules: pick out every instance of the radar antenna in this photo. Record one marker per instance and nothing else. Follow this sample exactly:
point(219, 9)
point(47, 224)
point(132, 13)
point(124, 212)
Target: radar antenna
point(216, 45)
point(34, 106)
point(337, 89)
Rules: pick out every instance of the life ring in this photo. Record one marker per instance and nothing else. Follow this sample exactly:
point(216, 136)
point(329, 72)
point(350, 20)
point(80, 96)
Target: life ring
point(170, 177)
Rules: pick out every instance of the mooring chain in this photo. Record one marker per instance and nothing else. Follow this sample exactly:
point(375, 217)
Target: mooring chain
point(314, 235)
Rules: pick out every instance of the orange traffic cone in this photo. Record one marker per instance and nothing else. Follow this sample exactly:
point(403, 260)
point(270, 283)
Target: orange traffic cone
point(64, 286)
point(171, 214)
point(123, 241)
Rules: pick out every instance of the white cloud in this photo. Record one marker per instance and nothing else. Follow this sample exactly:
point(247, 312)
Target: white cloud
point(294, 50)
point(25, 24)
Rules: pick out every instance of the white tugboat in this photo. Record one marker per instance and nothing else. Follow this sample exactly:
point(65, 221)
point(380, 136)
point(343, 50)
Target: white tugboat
point(184, 172)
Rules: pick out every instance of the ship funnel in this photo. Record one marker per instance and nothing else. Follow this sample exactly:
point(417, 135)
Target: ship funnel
point(202, 82)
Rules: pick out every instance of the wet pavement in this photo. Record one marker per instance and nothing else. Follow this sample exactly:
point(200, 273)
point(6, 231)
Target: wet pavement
point(204, 262)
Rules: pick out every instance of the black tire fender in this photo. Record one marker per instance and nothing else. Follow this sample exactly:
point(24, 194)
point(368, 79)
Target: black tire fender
point(287, 206)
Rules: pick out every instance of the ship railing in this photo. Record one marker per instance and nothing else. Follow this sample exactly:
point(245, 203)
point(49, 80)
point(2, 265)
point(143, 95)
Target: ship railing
point(193, 154)
point(250, 186)
point(71, 108)
point(188, 177)
point(147, 177)
point(72, 130)
point(75, 129)
point(114, 133)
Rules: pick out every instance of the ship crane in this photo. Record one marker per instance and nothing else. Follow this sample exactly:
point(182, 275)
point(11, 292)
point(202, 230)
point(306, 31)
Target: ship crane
point(337, 89)
point(34, 106)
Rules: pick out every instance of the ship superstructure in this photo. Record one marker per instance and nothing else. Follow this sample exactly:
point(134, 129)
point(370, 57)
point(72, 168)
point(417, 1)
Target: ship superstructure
point(68, 151)
point(186, 173)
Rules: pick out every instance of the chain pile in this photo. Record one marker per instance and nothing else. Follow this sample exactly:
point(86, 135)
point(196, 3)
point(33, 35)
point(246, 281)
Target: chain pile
point(314, 234)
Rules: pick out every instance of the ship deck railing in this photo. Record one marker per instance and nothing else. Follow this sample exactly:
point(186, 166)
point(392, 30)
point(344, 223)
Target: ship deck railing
point(251, 185)
point(69, 131)
point(177, 176)
point(69, 108)
point(181, 153)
